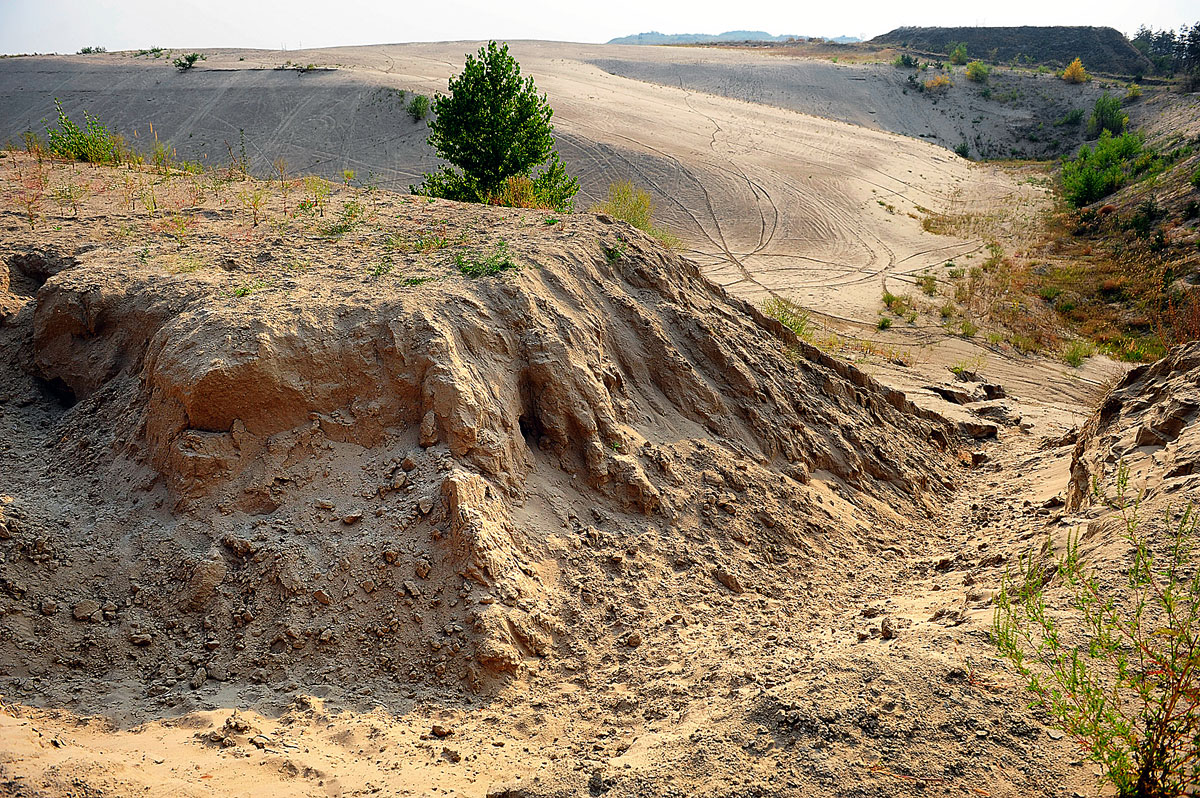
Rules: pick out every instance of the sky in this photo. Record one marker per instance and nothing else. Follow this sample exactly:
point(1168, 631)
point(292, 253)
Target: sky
point(64, 26)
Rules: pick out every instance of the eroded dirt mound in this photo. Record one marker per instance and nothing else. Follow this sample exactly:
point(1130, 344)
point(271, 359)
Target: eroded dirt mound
point(1147, 423)
point(269, 459)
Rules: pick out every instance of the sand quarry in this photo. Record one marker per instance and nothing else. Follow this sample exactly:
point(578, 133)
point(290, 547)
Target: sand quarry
point(292, 505)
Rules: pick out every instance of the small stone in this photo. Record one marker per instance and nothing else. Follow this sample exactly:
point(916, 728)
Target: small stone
point(887, 629)
point(634, 640)
point(441, 731)
point(429, 434)
point(368, 585)
point(212, 644)
point(85, 609)
point(352, 518)
point(322, 597)
point(140, 638)
point(408, 464)
point(323, 504)
point(729, 580)
point(198, 678)
point(49, 606)
point(425, 504)
point(451, 755)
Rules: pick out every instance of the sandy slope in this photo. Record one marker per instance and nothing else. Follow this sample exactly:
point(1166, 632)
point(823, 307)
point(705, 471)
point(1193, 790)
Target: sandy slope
point(768, 200)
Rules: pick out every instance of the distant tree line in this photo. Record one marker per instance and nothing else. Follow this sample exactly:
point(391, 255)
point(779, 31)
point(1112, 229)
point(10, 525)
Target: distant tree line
point(1171, 52)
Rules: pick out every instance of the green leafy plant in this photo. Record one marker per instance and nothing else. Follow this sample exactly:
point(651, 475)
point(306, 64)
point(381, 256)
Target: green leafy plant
point(1078, 351)
point(958, 53)
point(927, 283)
point(614, 252)
point(91, 50)
point(1121, 670)
point(418, 107)
point(1107, 115)
point(493, 125)
point(884, 322)
point(93, 143)
point(185, 62)
point(352, 213)
point(1098, 171)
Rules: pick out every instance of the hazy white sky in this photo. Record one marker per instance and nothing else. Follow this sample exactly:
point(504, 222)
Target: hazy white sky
point(66, 25)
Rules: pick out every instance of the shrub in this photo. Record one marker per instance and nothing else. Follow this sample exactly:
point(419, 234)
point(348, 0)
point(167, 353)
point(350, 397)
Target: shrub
point(1107, 115)
point(93, 143)
point(1196, 179)
point(1098, 172)
point(978, 71)
point(1072, 118)
point(491, 126)
point(938, 84)
point(418, 107)
point(634, 205)
point(927, 283)
point(958, 54)
point(91, 50)
point(963, 149)
point(1133, 92)
point(905, 61)
point(1075, 73)
point(883, 323)
point(185, 62)
point(1121, 670)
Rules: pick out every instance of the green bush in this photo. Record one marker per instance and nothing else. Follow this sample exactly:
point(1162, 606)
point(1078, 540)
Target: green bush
point(1107, 115)
point(978, 71)
point(958, 54)
point(93, 143)
point(1072, 118)
point(491, 126)
point(185, 62)
point(1119, 669)
point(905, 61)
point(1098, 172)
point(91, 50)
point(418, 107)
point(790, 315)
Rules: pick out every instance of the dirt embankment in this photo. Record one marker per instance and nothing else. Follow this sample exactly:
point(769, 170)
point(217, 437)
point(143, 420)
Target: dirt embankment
point(576, 521)
point(1104, 49)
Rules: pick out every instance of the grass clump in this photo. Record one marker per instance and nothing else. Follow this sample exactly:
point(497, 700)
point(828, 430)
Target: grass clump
point(631, 204)
point(1120, 669)
point(1107, 115)
point(927, 283)
point(497, 261)
point(418, 107)
point(790, 315)
point(884, 323)
point(352, 214)
point(1076, 352)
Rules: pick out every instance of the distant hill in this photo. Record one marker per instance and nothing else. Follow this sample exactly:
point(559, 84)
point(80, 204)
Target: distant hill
point(654, 37)
point(1102, 49)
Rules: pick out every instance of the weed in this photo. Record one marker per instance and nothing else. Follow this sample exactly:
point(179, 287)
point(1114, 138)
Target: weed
point(254, 201)
point(351, 215)
point(927, 283)
point(384, 266)
point(884, 322)
point(91, 50)
point(968, 328)
point(246, 289)
point(948, 310)
point(550, 220)
point(1121, 670)
point(69, 195)
point(318, 191)
point(499, 260)
point(613, 253)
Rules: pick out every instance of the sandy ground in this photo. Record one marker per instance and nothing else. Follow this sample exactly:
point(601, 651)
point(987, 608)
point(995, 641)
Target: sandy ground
point(770, 201)
point(794, 691)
